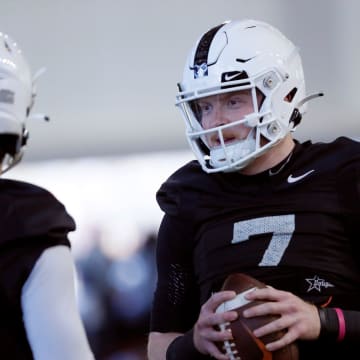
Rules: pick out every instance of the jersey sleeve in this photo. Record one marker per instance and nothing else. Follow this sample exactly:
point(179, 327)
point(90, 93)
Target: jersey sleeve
point(348, 188)
point(31, 211)
point(51, 318)
point(173, 306)
point(184, 199)
point(33, 220)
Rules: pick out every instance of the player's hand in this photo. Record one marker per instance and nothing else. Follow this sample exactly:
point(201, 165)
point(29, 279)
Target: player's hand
point(206, 331)
point(301, 319)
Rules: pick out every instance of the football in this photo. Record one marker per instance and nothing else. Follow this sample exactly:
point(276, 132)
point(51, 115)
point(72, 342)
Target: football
point(245, 346)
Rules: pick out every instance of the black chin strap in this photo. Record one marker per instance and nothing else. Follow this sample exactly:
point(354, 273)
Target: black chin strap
point(295, 118)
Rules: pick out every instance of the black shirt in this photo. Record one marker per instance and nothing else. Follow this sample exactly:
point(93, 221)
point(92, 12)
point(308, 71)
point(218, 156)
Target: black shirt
point(32, 220)
point(294, 230)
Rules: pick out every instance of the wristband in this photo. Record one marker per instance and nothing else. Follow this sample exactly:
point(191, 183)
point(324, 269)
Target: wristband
point(329, 324)
point(352, 328)
point(342, 328)
point(183, 348)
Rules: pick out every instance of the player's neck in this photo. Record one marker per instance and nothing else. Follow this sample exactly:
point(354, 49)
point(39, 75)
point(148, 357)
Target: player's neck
point(271, 158)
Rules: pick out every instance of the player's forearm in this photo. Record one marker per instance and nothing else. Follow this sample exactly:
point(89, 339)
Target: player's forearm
point(158, 344)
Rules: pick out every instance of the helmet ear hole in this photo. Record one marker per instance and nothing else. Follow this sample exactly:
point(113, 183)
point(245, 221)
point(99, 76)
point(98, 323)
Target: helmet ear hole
point(290, 95)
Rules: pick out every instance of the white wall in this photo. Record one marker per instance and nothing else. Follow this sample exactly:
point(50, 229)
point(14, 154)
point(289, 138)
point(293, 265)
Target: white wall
point(113, 66)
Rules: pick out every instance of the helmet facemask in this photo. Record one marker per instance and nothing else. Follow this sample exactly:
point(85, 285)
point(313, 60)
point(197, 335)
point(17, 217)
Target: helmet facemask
point(264, 130)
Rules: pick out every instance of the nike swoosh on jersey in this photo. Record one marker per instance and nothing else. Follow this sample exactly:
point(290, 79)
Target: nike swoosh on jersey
point(291, 179)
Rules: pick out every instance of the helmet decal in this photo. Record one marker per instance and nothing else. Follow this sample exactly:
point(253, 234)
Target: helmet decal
point(244, 60)
point(200, 70)
point(200, 66)
point(7, 96)
point(233, 76)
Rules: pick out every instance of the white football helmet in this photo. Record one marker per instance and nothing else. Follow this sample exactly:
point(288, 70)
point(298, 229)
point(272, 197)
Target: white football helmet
point(17, 95)
point(238, 55)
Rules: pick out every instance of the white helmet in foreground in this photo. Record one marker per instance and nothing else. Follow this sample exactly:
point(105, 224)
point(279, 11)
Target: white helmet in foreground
point(17, 95)
point(242, 55)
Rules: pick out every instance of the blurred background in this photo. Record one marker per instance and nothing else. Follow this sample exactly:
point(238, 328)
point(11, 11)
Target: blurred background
point(115, 134)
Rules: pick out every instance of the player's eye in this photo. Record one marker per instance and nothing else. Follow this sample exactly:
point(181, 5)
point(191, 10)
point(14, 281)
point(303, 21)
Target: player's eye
point(205, 108)
point(237, 102)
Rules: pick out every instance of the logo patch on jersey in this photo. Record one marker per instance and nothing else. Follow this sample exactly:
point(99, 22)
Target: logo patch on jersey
point(317, 284)
point(291, 179)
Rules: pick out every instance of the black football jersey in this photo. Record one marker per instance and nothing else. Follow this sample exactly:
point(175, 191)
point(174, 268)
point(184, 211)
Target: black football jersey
point(32, 219)
point(293, 227)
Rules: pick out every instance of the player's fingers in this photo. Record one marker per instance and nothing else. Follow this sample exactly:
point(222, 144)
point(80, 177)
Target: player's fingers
point(222, 318)
point(265, 309)
point(218, 336)
point(267, 293)
point(218, 298)
point(287, 339)
point(290, 305)
point(273, 326)
point(216, 353)
point(216, 319)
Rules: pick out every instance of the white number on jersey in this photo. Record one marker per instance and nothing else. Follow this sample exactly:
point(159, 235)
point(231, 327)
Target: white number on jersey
point(282, 228)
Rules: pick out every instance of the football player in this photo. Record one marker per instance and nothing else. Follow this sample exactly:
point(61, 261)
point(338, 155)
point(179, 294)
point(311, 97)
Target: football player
point(39, 314)
point(256, 201)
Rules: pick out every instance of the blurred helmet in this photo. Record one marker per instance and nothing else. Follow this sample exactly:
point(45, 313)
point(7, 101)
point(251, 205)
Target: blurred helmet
point(17, 95)
point(239, 55)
